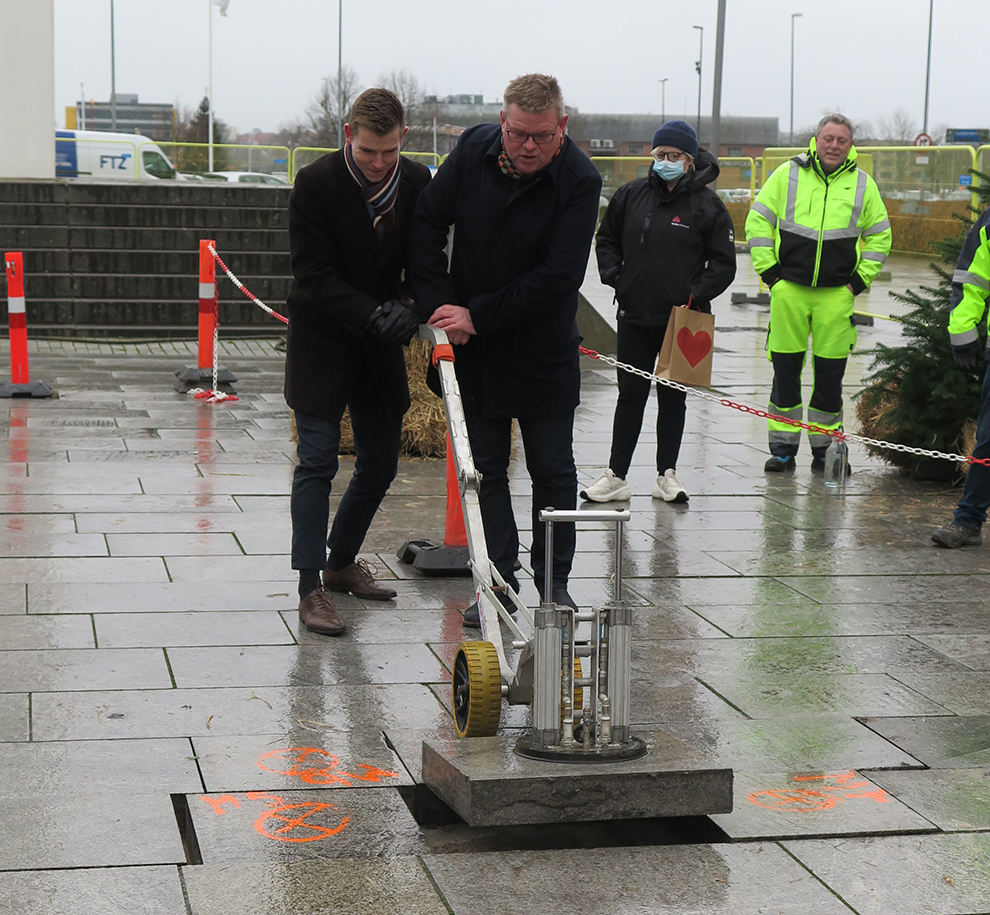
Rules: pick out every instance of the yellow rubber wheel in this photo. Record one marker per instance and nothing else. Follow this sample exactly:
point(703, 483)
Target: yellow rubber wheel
point(578, 690)
point(476, 690)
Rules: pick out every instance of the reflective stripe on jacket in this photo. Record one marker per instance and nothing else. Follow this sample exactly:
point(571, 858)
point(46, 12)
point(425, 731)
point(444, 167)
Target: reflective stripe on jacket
point(970, 285)
point(806, 226)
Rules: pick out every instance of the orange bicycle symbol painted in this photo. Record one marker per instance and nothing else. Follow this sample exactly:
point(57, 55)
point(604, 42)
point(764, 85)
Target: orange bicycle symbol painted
point(318, 767)
point(845, 786)
point(287, 822)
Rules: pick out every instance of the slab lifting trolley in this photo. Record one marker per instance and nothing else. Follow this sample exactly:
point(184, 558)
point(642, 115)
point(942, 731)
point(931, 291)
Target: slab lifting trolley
point(575, 717)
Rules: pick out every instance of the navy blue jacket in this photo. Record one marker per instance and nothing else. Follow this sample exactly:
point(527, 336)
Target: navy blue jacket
point(520, 254)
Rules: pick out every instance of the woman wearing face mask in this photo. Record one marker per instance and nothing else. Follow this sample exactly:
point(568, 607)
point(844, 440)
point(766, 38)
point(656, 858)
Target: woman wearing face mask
point(665, 240)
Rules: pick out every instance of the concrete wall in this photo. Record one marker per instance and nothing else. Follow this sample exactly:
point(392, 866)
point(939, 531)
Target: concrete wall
point(27, 88)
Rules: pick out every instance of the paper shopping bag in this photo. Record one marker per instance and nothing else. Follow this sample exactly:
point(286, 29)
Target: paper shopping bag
point(686, 354)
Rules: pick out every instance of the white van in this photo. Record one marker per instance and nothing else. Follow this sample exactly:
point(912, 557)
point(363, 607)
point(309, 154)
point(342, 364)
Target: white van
point(109, 156)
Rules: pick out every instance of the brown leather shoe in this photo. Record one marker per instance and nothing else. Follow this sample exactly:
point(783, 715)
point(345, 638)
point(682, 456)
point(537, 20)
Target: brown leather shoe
point(317, 614)
point(358, 579)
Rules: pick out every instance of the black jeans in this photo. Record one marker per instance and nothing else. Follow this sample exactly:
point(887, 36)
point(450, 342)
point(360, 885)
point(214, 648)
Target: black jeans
point(639, 347)
point(376, 443)
point(548, 441)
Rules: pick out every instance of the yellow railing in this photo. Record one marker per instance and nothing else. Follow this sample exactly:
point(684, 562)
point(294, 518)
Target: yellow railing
point(194, 157)
point(312, 153)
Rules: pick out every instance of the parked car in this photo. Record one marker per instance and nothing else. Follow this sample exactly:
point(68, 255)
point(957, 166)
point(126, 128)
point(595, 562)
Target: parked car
point(246, 178)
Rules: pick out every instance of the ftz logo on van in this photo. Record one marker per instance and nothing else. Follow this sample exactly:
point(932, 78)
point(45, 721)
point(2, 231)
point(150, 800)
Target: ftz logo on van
point(111, 161)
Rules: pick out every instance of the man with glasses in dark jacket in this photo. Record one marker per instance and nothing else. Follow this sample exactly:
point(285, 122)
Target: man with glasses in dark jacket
point(524, 200)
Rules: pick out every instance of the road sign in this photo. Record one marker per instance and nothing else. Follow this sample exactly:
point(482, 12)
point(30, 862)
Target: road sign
point(922, 140)
point(965, 180)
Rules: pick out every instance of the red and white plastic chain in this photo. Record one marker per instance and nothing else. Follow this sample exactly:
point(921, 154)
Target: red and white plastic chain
point(764, 414)
point(214, 395)
point(244, 289)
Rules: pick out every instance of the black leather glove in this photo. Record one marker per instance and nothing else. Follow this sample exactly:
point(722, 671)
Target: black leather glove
point(968, 355)
point(394, 322)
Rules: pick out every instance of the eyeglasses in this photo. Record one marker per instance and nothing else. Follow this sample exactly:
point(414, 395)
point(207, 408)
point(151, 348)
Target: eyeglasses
point(521, 137)
point(670, 156)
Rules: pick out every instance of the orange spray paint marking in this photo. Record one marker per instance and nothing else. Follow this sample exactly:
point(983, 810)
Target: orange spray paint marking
point(315, 767)
point(823, 797)
point(307, 832)
point(217, 802)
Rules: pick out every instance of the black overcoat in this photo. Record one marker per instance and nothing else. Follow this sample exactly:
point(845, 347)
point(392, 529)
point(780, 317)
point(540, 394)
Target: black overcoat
point(341, 275)
point(520, 254)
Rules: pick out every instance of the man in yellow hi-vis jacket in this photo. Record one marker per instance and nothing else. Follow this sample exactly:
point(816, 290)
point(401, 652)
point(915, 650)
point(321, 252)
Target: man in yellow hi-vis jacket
point(818, 234)
point(970, 290)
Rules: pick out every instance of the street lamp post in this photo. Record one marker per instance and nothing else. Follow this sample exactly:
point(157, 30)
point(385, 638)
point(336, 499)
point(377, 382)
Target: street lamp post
point(928, 70)
point(340, 70)
point(697, 66)
point(663, 99)
point(209, 91)
point(113, 74)
point(793, 17)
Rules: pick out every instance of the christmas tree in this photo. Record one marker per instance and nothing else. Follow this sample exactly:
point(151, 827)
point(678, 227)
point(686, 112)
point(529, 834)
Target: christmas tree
point(915, 393)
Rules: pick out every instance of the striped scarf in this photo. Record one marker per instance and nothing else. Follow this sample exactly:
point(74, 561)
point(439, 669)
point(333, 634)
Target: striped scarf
point(380, 196)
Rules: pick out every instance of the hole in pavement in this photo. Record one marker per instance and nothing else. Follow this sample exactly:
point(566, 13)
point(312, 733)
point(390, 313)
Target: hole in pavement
point(187, 832)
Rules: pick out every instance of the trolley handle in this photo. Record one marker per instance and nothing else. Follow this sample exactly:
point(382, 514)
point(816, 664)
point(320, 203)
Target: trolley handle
point(602, 514)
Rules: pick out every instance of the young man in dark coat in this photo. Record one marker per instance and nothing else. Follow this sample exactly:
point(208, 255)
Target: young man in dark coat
point(666, 240)
point(525, 200)
point(348, 234)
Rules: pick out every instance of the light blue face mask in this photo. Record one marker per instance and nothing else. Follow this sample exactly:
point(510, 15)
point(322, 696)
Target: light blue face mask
point(669, 171)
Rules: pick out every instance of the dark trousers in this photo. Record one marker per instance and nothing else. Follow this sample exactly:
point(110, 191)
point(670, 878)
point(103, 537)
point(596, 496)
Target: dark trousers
point(376, 443)
point(639, 347)
point(972, 510)
point(547, 441)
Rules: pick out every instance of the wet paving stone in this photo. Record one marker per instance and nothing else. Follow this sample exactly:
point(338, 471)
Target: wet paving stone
point(955, 800)
point(101, 715)
point(942, 743)
point(969, 648)
point(963, 693)
point(702, 879)
point(825, 693)
point(82, 669)
point(90, 767)
point(271, 568)
point(340, 886)
point(306, 757)
point(198, 544)
point(61, 829)
point(13, 599)
point(911, 875)
point(259, 826)
point(14, 721)
point(51, 631)
point(303, 665)
point(814, 804)
point(77, 569)
point(108, 891)
point(190, 628)
point(887, 589)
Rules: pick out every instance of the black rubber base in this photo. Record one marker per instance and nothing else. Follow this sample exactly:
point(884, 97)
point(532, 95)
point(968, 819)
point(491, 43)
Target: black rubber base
point(435, 558)
point(634, 749)
point(31, 389)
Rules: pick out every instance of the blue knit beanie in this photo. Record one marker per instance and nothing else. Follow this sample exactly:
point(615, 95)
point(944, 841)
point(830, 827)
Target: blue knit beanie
point(677, 133)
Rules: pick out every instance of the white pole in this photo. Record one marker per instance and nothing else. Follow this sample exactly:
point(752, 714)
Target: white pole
point(209, 90)
point(113, 74)
point(340, 69)
point(793, 17)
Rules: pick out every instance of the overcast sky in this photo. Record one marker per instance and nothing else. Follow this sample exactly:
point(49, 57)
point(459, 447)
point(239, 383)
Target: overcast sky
point(864, 57)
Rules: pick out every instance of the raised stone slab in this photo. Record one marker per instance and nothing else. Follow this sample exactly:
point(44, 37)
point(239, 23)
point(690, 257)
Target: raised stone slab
point(487, 784)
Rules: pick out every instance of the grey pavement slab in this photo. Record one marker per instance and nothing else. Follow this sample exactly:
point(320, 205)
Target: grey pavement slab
point(55, 545)
point(911, 875)
point(107, 891)
point(14, 721)
point(488, 784)
point(701, 879)
point(49, 670)
point(969, 648)
point(76, 569)
point(198, 544)
point(777, 806)
point(94, 767)
point(55, 502)
point(70, 828)
point(942, 743)
point(306, 757)
point(187, 628)
point(339, 886)
point(303, 665)
point(955, 800)
point(48, 631)
point(103, 715)
point(961, 692)
point(259, 826)
point(270, 568)
point(887, 589)
point(13, 599)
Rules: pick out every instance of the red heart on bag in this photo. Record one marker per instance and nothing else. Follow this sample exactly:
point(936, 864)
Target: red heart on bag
point(694, 346)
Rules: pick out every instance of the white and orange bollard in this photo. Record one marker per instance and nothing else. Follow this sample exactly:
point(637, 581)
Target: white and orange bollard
point(20, 384)
point(195, 375)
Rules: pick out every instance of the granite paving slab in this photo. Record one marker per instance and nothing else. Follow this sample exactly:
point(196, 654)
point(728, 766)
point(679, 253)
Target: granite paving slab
point(955, 800)
point(107, 891)
point(700, 879)
point(189, 628)
point(776, 806)
point(49, 631)
point(56, 546)
point(77, 569)
point(384, 625)
point(70, 828)
point(826, 693)
point(307, 664)
point(92, 767)
point(305, 757)
point(13, 599)
point(878, 561)
point(260, 826)
point(338, 886)
point(14, 717)
point(48, 670)
point(55, 502)
point(911, 875)
point(941, 743)
point(969, 648)
point(961, 692)
point(231, 712)
point(270, 568)
point(192, 544)
point(887, 589)
point(726, 592)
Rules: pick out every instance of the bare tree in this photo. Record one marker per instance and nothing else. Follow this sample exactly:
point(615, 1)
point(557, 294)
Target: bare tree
point(322, 111)
point(419, 112)
point(899, 129)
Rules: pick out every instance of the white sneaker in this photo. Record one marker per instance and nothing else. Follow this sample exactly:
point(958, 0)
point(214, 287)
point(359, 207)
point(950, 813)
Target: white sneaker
point(669, 488)
point(607, 488)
